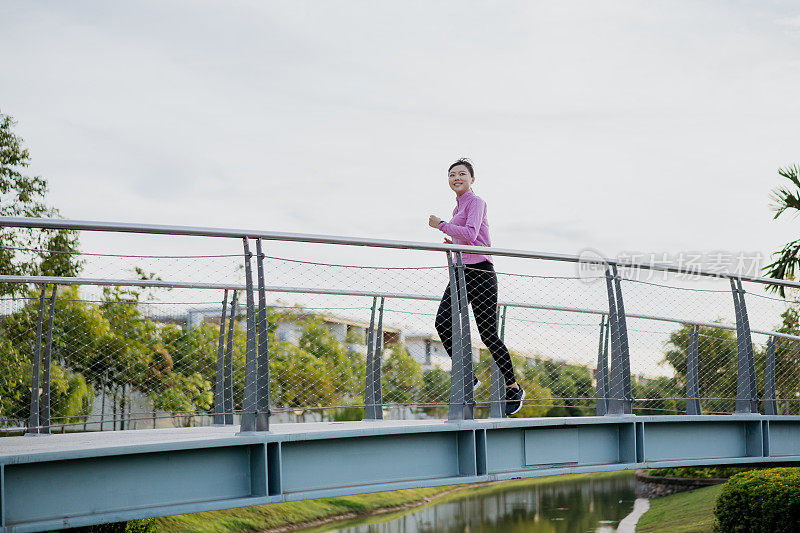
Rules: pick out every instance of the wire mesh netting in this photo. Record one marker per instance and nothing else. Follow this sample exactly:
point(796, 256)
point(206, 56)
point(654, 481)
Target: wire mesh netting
point(128, 357)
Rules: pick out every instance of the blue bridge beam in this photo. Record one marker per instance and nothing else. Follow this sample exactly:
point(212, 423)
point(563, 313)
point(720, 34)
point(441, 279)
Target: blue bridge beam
point(84, 479)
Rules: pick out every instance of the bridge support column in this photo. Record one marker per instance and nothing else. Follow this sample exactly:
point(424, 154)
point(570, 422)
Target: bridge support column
point(692, 373)
point(219, 383)
point(373, 397)
point(746, 392)
point(770, 403)
point(228, 389)
point(601, 389)
point(620, 394)
point(461, 398)
point(498, 382)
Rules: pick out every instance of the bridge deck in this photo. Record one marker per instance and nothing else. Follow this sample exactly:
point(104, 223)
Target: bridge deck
point(91, 444)
point(78, 479)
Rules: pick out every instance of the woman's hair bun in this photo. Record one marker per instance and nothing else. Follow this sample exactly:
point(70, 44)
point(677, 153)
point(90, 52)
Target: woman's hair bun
point(466, 162)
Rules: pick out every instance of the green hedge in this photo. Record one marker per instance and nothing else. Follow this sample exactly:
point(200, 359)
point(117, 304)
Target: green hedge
point(704, 472)
point(147, 525)
point(760, 501)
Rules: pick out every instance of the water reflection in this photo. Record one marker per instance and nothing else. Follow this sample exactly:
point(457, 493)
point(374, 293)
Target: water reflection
point(559, 506)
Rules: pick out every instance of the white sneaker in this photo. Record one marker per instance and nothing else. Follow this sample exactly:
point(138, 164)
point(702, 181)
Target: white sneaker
point(514, 399)
point(475, 384)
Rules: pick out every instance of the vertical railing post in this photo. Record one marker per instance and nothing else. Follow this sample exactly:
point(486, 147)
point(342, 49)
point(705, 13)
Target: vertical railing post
point(228, 393)
point(615, 389)
point(219, 384)
point(770, 402)
point(466, 341)
point(746, 395)
point(44, 421)
point(369, 386)
point(103, 389)
point(33, 418)
point(625, 353)
point(376, 364)
point(751, 359)
point(606, 358)
point(498, 385)
point(456, 410)
point(606, 348)
point(742, 378)
point(693, 373)
point(262, 379)
point(601, 389)
point(251, 355)
point(620, 397)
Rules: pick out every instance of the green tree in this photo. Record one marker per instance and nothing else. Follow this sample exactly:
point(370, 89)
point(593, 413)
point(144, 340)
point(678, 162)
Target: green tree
point(180, 393)
point(346, 367)
point(318, 371)
point(15, 380)
point(717, 362)
point(401, 376)
point(435, 390)
point(24, 196)
point(539, 399)
point(659, 396)
point(573, 384)
point(190, 349)
point(787, 363)
point(71, 394)
point(174, 365)
point(300, 379)
point(130, 346)
point(785, 198)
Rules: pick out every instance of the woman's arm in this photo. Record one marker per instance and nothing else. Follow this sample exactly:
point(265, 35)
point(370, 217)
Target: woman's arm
point(475, 212)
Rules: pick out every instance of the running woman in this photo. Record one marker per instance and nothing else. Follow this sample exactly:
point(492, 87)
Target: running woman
point(469, 226)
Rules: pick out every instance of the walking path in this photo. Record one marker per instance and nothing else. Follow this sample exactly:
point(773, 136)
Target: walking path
point(628, 524)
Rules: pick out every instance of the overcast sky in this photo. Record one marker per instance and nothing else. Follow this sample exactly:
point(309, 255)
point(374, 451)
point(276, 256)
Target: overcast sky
point(649, 126)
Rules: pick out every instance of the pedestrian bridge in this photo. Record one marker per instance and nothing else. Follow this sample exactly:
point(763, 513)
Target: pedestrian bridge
point(674, 376)
point(70, 480)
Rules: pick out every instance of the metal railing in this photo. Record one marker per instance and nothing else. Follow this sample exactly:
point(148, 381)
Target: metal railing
point(123, 350)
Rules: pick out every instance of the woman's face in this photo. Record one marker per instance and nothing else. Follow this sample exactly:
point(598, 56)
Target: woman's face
point(459, 179)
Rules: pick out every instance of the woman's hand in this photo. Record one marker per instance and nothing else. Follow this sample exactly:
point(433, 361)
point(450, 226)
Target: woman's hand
point(434, 221)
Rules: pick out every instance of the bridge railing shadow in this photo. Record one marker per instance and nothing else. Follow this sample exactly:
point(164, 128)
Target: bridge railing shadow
point(256, 327)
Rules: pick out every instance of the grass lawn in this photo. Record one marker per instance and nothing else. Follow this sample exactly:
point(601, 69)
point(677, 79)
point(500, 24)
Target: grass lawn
point(685, 512)
point(282, 514)
point(279, 514)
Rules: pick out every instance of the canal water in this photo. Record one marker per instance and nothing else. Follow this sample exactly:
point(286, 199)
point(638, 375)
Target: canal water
point(575, 505)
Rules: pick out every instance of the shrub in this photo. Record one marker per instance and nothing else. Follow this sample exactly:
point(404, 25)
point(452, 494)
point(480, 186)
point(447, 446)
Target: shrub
point(760, 500)
point(703, 472)
point(147, 525)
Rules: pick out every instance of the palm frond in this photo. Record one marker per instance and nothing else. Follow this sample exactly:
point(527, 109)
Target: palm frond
point(786, 197)
point(785, 266)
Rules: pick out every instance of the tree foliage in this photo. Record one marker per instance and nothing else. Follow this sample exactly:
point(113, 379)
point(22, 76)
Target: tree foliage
point(787, 362)
point(110, 347)
point(717, 361)
point(70, 391)
point(786, 198)
point(760, 500)
point(401, 376)
point(22, 195)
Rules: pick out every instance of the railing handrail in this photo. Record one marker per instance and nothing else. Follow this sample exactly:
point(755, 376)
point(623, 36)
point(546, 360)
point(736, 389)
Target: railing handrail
point(48, 280)
point(615, 397)
point(199, 231)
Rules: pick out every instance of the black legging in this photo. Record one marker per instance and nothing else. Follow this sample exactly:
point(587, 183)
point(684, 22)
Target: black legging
point(481, 282)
